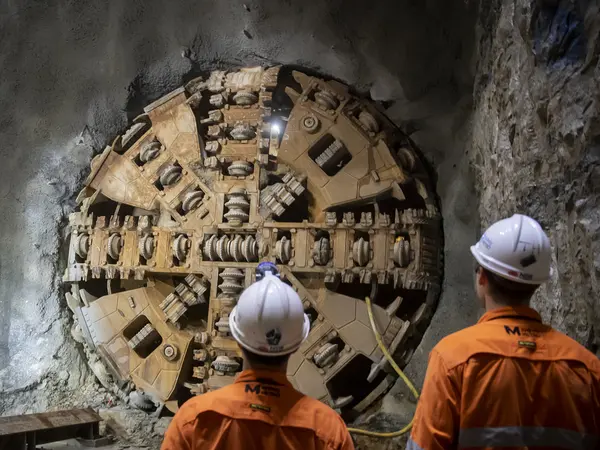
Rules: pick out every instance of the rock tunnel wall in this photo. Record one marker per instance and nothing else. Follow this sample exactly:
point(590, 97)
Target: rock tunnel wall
point(536, 143)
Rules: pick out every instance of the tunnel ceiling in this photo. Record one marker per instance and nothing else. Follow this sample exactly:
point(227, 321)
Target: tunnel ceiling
point(260, 164)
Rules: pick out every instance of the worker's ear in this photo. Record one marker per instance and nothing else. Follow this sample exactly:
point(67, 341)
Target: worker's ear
point(482, 279)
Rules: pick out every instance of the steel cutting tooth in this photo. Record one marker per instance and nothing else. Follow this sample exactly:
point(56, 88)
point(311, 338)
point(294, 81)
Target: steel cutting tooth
point(326, 355)
point(321, 250)
point(192, 200)
point(341, 402)
point(150, 151)
point(212, 146)
point(171, 175)
point(360, 252)
point(217, 100)
point(223, 324)
point(402, 252)
point(283, 248)
point(240, 168)
point(407, 159)
point(210, 248)
point(225, 364)
point(235, 248)
point(197, 285)
point(242, 131)
point(232, 281)
point(146, 246)
point(115, 243)
point(238, 207)
point(233, 273)
point(237, 202)
point(230, 287)
point(245, 98)
point(223, 248)
point(180, 247)
point(368, 121)
point(82, 245)
point(250, 249)
point(326, 99)
point(236, 216)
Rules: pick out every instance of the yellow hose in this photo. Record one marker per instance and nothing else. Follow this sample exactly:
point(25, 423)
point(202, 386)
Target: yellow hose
point(408, 383)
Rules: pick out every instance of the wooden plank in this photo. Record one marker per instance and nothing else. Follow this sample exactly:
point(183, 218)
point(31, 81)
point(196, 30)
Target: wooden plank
point(37, 422)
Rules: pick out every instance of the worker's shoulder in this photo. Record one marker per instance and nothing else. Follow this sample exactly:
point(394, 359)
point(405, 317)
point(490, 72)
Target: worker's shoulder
point(495, 337)
point(458, 347)
point(567, 348)
point(204, 403)
point(314, 414)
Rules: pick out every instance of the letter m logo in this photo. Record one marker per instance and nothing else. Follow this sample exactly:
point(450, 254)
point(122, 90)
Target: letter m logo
point(515, 330)
point(255, 389)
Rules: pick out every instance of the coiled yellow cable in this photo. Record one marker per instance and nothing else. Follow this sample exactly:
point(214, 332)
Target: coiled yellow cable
point(408, 383)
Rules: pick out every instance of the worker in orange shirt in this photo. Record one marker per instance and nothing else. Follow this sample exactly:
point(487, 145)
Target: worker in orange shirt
point(261, 409)
point(510, 380)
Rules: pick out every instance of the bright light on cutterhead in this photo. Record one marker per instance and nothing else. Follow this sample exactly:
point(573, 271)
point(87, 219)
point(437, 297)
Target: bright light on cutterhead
point(275, 128)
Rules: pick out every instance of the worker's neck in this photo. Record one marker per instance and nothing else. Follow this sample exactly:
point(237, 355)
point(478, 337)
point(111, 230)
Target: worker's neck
point(263, 367)
point(494, 303)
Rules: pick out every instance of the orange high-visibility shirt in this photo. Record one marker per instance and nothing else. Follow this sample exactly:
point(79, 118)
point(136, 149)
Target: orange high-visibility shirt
point(261, 410)
point(512, 382)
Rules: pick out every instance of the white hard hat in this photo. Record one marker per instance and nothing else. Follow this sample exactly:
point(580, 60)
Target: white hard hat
point(269, 318)
point(516, 249)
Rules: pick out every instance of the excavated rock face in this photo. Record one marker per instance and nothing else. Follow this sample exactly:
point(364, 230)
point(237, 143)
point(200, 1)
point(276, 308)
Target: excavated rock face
point(536, 143)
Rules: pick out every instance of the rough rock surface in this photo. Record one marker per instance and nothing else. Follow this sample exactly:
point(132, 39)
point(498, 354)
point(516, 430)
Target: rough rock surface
point(536, 142)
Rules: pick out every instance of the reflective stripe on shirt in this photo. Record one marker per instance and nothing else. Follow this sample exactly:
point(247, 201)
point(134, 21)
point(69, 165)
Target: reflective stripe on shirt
point(525, 437)
point(412, 445)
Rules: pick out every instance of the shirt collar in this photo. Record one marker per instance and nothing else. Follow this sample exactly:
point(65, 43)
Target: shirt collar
point(262, 376)
point(523, 312)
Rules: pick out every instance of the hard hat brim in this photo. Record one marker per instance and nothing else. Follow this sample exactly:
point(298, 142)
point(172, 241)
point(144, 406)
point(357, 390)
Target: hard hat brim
point(503, 270)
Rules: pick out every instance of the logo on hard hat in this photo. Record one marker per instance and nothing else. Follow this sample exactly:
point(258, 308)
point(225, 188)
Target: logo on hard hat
point(528, 260)
point(273, 336)
point(486, 241)
point(521, 275)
